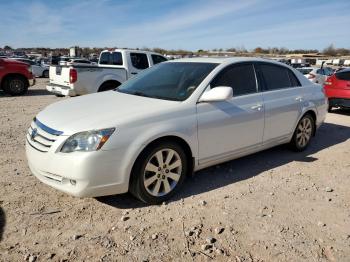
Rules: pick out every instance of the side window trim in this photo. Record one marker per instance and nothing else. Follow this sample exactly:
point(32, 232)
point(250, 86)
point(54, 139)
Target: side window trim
point(234, 65)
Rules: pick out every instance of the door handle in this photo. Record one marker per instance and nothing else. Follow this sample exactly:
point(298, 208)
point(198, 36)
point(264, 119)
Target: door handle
point(257, 107)
point(299, 98)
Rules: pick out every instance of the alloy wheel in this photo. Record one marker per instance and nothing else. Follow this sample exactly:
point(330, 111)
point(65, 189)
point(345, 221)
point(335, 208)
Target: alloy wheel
point(304, 132)
point(162, 172)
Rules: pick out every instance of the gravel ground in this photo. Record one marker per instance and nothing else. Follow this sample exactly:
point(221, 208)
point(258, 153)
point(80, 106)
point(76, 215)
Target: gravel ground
point(276, 205)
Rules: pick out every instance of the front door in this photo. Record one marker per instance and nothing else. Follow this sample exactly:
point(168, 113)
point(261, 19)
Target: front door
point(230, 127)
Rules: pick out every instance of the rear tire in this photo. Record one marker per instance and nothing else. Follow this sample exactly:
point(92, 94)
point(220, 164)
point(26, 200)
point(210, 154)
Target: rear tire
point(15, 85)
point(303, 133)
point(108, 86)
point(46, 74)
point(159, 172)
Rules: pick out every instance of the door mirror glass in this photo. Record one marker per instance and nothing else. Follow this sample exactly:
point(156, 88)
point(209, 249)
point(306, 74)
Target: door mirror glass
point(220, 93)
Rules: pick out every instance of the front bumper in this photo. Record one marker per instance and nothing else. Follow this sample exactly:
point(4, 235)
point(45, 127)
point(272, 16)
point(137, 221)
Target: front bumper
point(81, 174)
point(61, 90)
point(31, 81)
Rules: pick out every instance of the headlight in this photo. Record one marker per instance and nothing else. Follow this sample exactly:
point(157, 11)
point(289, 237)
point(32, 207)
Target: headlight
point(87, 141)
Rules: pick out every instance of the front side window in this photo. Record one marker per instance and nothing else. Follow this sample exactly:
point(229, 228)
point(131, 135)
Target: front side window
point(158, 59)
point(139, 60)
point(276, 77)
point(241, 78)
point(170, 81)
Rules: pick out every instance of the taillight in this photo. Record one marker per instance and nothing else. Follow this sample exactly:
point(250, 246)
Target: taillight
point(311, 76)
point(73, 76)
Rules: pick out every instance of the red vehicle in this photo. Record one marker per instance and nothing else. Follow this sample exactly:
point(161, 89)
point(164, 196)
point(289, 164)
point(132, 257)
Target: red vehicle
point(15, 77)
point(337, 88)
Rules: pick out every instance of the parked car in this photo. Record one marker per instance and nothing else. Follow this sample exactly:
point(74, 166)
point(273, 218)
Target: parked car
point(114, 68)
point(316, 75)
point(15, 76)
point(337, 88)
point(39, 70)
point(75, 61)
point(172, 119)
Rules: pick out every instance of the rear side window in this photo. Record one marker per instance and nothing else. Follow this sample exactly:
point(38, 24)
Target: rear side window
point(158, 59)
point(240, 77)
point(293, 79)
point(111, 58)
point(276, 77)
point(343, 75)
point(139, 60)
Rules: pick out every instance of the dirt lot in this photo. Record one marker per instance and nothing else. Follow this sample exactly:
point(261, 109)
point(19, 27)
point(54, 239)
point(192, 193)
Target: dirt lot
point(272, 206)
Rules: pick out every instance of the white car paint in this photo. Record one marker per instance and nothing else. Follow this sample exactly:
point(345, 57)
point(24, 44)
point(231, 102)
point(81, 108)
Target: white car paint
point(37, 69)
point(92, 77)
point(316, 75)
point(214, 131)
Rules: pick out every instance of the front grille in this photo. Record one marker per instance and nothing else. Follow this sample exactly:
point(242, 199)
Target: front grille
point(40, 136)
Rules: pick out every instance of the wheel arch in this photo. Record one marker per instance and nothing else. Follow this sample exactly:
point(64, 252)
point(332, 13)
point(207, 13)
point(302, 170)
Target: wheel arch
point(4, 78)
point(168, 138)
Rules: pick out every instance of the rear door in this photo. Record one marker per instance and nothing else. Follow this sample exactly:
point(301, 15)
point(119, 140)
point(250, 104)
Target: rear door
point(283, 96)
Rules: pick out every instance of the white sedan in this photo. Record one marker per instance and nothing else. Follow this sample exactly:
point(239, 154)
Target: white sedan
point(39, 70)
point(170, 120)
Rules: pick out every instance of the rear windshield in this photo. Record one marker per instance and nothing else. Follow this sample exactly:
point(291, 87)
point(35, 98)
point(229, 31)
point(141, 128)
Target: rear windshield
point(111, 58)
point(343, 75)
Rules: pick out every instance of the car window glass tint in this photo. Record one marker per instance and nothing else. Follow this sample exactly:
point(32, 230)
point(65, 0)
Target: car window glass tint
point(343, 75)
point(139, 61)
point(158, 59)
point(108, 58)
point(276, 77)
point(293, 79)
point(240, 77)
point(117, 58)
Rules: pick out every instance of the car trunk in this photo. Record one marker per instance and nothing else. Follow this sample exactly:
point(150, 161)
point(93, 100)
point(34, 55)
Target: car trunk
point(59, 75)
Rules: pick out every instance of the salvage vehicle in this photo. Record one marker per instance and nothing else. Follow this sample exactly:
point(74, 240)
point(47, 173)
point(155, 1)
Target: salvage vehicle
point(172, 119)
point(114, 67)
point(316, 75)
point(15, 77)
point(39, 70)
point(337, 88)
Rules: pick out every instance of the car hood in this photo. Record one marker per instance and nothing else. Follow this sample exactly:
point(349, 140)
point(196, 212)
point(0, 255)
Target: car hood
point(100, 110)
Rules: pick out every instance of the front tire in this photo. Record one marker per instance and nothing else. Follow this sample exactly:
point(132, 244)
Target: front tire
point(16, 85)
point(159, 172)
point(303, 133)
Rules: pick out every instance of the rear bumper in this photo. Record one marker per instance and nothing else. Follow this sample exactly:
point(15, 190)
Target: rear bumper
point(338, 97)
point(61, 90)
point(342, 102)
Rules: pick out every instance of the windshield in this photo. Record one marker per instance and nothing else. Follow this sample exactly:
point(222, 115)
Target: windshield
point(170, 81)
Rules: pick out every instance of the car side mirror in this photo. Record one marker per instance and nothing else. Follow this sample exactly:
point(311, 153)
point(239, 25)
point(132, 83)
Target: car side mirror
point(220, 93)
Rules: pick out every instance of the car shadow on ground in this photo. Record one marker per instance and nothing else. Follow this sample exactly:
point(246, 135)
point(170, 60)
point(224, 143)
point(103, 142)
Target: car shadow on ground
point(341, 111)
point(31, 92)
point(2, 223)
point(244, 168)
point(38, 92)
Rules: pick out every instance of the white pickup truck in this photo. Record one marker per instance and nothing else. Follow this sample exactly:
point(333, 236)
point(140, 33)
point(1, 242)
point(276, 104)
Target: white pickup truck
point(114, 68)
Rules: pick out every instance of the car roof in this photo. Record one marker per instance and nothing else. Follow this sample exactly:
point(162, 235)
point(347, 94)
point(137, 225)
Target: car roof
point(225, 60)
